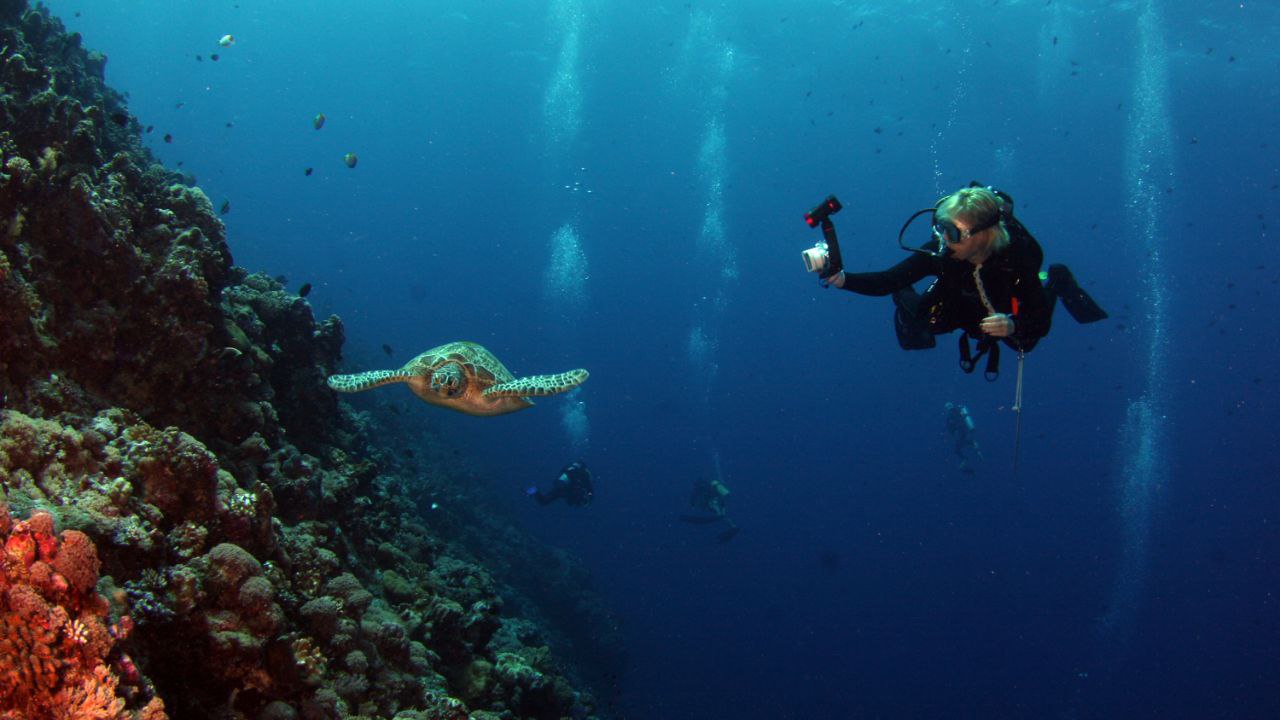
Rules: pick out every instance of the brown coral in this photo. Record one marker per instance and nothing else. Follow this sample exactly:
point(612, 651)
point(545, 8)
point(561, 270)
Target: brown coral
point(77, 561)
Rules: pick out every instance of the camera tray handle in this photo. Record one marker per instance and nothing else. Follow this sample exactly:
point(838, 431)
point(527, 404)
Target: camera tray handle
point(821, 215)
point(833, 248)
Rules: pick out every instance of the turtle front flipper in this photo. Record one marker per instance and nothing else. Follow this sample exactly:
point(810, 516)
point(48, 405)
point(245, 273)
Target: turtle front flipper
point(538, 385)
point(368, 380)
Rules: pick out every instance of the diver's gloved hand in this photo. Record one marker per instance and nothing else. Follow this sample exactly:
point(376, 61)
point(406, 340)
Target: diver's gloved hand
point(829, 269)
point(836, 278)
point(998, 325)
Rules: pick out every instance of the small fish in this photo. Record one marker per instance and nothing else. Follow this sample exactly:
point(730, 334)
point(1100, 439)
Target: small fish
point(120, 118)
point(168, 138)
point(386, 348)
point(282, 279)
point(308, 172)
point(1055, 39)
point(230, 124)
point(350, 159)
point(227, 41)
point(226, 207)
point(318, 121)
point(150, 128)
point(199, 58)
point(178, 106)
point(213, 57)
point(305, 290)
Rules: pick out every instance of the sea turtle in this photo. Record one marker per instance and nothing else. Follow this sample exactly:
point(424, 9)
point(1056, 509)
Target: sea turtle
point(464, 376)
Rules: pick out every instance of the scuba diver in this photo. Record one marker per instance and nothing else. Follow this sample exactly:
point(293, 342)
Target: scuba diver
point(710, 497)
point(987, 283)
point(573, 486)
point(960, 430)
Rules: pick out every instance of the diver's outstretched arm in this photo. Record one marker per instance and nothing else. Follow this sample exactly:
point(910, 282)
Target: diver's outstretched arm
point(885, 282)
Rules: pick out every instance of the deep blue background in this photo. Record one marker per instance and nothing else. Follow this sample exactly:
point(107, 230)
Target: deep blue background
point(942, 595)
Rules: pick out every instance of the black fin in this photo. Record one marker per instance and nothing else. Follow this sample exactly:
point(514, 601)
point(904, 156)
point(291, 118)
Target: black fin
point(1062, 284)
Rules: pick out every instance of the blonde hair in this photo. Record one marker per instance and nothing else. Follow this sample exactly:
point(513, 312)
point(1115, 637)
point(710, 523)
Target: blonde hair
point(976, 206)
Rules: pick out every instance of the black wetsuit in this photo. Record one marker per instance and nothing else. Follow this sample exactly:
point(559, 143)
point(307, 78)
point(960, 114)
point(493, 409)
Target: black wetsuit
point(953, 301)
point(706, 497)
point(573, 485)
point(709, 496)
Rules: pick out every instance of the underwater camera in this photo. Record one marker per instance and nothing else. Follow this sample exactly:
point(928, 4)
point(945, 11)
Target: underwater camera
point(824, 257)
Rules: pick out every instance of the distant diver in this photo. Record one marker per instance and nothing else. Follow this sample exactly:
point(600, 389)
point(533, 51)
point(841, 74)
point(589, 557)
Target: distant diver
point(710, 497)
point(960, 430)
point(573, 485)
point(465, 377)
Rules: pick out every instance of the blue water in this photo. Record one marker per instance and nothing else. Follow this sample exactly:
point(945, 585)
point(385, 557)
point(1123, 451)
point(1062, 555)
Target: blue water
point(619, 186)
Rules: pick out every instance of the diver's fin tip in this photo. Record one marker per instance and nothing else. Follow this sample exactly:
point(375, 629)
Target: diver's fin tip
point(1082, 308)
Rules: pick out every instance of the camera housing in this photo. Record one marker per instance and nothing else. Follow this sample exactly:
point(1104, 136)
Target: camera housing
point(815, 258)
point(824, 257)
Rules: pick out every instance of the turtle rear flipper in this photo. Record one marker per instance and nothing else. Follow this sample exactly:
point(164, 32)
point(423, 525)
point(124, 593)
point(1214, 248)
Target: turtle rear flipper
point(368, 380)
point(538, 385)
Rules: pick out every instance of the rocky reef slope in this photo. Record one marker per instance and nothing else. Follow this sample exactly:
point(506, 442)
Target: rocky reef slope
point(239, 546)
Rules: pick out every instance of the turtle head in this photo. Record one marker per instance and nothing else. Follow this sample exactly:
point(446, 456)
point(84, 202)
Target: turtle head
point(448, 381)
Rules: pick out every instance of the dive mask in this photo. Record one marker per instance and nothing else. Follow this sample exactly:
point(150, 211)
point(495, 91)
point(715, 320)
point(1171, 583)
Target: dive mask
point(945, 232)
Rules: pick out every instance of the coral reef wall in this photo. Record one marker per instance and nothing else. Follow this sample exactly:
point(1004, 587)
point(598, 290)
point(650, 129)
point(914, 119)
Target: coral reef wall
point(208, 532)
